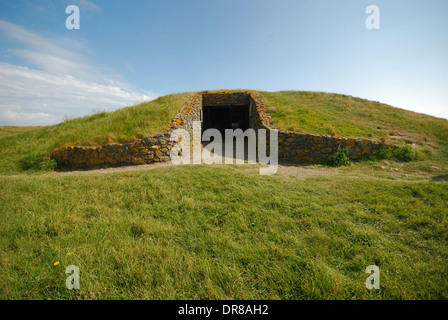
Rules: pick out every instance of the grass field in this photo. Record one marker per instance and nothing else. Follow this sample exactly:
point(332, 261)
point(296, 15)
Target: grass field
point(6, 131)
point(224, 231)
point(209, 232)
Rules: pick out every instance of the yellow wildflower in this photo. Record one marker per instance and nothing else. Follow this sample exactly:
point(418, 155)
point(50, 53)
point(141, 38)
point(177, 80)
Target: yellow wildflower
point(56, 263)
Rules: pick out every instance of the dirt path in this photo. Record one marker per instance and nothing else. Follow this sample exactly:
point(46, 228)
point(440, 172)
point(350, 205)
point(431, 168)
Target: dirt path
point(289, 170)
point(284, 169)
point(119, 169)
point(208, 156)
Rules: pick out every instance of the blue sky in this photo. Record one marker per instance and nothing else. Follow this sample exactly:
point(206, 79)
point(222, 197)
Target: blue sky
point(131, 51)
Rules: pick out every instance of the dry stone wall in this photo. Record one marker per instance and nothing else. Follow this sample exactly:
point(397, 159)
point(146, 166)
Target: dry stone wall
point(150, 149)
point(212, 99)
point(293, 146)
point(304, 147)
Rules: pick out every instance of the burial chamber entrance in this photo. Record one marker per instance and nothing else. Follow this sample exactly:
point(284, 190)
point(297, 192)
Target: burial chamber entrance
point(222, 110)
point(225, 117)
point(225, 111)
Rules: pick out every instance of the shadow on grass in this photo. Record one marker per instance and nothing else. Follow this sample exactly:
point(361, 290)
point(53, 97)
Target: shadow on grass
point(440, 178)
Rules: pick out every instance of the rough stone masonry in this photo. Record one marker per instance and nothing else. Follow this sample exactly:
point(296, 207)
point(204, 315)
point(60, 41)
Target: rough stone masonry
point(298, 147)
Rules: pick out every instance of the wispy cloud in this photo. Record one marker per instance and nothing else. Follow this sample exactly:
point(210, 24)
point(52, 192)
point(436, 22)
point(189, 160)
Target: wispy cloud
point(62, 83)
point(47, 55)
point(33, 97)
point(33, 40)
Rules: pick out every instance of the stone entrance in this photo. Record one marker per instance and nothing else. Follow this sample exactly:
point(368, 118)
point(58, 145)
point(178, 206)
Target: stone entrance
point(225, 117)
point(219, 110)
point(225, 111)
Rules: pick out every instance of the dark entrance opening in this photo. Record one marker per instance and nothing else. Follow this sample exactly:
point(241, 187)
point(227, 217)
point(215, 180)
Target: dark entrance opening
point(225, 117)
point(220, 115)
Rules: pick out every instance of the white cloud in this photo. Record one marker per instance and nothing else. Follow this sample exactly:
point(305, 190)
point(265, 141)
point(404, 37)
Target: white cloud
point(28, 94)
point(35, 41)
point(63, 83)
point(26, 118)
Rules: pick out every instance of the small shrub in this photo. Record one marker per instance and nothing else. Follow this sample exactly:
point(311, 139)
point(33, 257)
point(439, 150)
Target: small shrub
point(402, 154)
point(37, 162)
point(382, 154)
point(339, 158)
point(423, 154)
point(405, 154)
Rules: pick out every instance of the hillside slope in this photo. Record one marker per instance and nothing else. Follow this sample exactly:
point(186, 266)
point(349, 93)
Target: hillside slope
point(106, 127)
point(346, 116)
point(314, 112)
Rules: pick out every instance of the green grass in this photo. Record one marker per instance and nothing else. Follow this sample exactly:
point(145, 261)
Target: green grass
point(346, 116)
point(225, 232)
point(6, 131)
point(120, 126)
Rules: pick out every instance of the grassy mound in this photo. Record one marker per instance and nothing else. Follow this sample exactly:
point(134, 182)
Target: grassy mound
point(18, 146)
point(313, 112)
point(225, 232)
point(346, 116)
